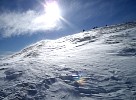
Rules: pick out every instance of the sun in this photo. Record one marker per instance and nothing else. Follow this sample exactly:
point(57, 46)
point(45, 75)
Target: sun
point(51, 16)
point(52, 11)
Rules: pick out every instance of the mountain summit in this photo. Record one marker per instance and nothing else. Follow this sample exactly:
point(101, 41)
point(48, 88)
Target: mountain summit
point(99, 64)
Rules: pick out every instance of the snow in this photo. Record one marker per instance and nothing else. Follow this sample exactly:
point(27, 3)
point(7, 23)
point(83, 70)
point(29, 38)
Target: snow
point(93, 65)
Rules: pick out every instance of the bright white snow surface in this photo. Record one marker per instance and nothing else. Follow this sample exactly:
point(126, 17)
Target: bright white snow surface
point(94, 65)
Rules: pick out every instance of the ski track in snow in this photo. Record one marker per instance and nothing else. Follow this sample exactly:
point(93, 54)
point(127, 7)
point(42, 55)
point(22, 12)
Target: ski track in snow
point(94, 65)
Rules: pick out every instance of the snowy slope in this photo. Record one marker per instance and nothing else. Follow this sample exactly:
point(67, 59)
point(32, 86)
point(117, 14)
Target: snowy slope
point(94, 65)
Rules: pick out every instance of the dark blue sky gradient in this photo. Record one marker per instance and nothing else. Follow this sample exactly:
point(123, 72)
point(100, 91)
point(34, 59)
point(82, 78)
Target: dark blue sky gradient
point(82, 14)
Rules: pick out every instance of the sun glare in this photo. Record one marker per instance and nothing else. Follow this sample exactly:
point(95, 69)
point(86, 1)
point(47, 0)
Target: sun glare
point(50, 17)
point(52, 10)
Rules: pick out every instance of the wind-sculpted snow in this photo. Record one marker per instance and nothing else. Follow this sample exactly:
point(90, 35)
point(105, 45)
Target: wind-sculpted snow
point(94, 65)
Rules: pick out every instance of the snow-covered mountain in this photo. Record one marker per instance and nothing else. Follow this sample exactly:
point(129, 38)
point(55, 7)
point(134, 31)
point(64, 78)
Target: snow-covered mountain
point(99, 64)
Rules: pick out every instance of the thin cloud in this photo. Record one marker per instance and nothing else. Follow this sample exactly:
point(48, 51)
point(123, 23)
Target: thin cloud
point(17, 23)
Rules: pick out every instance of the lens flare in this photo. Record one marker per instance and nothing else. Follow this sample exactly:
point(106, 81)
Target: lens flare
point(79, 78)
point(81, 81)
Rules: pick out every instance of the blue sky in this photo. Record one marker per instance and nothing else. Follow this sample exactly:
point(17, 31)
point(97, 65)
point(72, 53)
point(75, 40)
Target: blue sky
point(18, 28)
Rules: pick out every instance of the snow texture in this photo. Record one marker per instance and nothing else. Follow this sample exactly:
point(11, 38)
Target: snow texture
point(99, 64)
